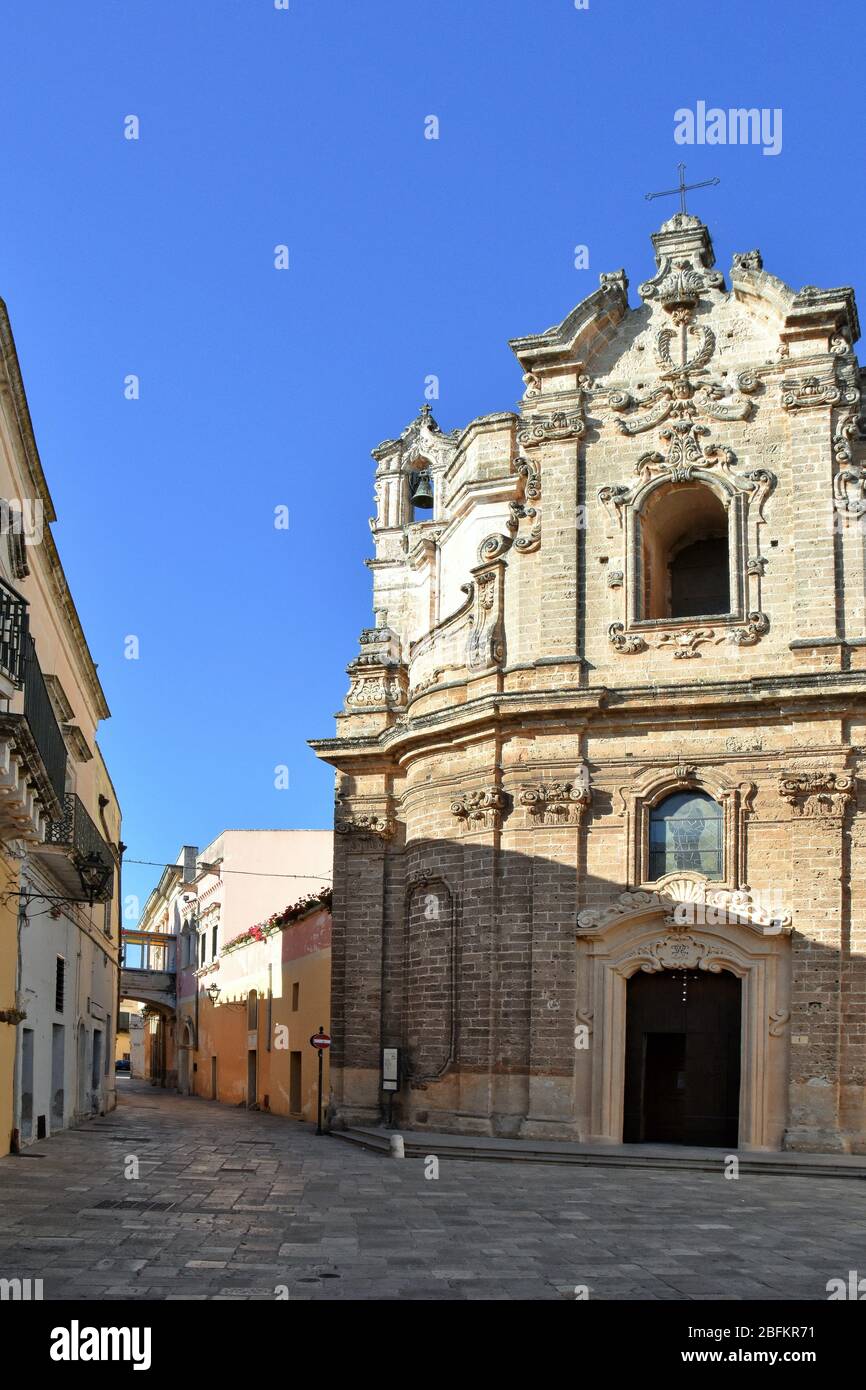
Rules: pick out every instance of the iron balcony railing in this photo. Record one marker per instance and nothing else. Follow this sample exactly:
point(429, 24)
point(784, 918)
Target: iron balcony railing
point(40, 716)
point(77, 834)
point(13, 631)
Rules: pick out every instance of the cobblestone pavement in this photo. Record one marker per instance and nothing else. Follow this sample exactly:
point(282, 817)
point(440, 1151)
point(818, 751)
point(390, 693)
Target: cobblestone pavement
point(231, 1204)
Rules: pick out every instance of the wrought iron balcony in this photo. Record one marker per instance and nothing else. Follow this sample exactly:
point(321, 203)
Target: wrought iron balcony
point(32, 748)
point(41, 719)
point(77, 837)
point(13, 630)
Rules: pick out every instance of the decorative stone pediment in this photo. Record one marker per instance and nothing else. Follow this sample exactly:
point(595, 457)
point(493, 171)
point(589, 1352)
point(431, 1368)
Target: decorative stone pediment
point(421, 440)
point(687, 901)
point(572, 340)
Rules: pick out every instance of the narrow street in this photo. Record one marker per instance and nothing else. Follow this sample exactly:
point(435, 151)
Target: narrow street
point(233, 1204)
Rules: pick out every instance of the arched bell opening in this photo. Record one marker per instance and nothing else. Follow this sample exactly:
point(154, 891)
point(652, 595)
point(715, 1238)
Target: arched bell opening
point(685, 553)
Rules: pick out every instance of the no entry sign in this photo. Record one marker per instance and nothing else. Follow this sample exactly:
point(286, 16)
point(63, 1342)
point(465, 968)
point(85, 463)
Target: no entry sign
point(321, 1040)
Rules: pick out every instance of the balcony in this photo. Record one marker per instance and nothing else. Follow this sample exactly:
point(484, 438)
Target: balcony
point(32, 748)
point(68, 842)
point(148, 970)
point(13, 629)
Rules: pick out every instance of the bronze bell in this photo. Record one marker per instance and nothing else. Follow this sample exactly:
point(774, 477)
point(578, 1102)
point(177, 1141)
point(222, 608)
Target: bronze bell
point(422, 492)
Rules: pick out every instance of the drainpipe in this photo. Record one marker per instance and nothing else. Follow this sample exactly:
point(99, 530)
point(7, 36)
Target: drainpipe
point(117, 855)
point(15, 1141)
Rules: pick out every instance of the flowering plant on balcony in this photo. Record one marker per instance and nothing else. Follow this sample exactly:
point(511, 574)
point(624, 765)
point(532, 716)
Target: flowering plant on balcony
point(278, 921)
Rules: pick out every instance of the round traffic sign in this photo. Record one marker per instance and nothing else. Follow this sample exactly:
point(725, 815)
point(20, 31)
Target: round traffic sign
point(321, 1040)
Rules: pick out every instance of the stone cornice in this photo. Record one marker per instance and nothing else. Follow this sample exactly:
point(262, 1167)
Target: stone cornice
point(609, 303)
point(835, 692)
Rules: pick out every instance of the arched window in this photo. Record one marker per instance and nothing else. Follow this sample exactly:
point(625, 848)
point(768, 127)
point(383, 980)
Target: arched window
point(686, 833)
point(685, 557)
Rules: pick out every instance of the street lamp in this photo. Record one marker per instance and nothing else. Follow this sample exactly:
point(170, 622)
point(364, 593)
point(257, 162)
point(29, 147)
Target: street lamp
point(94, 875)
point(213, 993)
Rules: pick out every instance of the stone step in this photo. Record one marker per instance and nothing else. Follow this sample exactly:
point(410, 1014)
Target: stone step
point(654, 1156)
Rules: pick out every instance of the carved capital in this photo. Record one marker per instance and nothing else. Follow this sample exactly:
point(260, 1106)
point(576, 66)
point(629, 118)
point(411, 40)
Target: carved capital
point(557, 803)
point(483, 809)
point(817, 793)
point(380, 824)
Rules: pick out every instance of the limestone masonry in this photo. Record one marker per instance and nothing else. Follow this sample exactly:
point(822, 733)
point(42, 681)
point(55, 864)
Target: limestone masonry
point(600, 862)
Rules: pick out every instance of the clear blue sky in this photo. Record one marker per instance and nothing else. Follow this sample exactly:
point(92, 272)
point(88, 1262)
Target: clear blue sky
point(407, 257)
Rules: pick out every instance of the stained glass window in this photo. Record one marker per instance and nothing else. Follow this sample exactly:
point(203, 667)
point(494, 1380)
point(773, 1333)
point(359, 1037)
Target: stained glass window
point(686, 833)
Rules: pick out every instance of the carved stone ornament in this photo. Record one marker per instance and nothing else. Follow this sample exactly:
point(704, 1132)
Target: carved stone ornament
point(779, 1020)
point(687, 902)
point(613, 280)
point(683, 453)
point(685, 644)
point(557, 425)
point(486, 644)
point(558, 803)
point(849, 492)
point(805, 393)
point(677, 952)
point(757, 626)
point(817, 793)
point(849, 483)
point(433, 678)
point(370, 689)
point(521, 507)
point(680, 281)
point(626, 642)
point(747, 260)
point(480, 810)
point(381, 825)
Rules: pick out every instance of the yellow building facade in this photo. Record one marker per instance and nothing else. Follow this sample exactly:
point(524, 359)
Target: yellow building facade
point(59, 815)
point(258, 1009)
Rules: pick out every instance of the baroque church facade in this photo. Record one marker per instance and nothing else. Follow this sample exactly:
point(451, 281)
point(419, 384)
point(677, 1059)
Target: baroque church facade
point(600, 862)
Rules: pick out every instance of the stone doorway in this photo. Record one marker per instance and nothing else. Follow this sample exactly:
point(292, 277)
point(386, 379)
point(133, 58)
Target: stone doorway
point(673, 928)
point(682, 1065)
